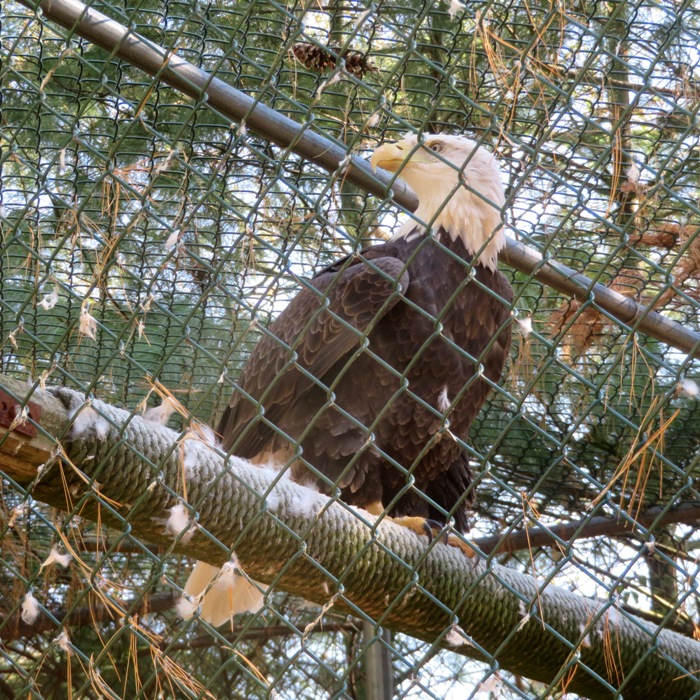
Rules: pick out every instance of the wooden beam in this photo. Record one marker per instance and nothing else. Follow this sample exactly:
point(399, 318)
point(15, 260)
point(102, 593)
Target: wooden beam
point(23, 454)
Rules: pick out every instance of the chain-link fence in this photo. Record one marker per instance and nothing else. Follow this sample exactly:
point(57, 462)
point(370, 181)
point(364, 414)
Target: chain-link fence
point(147, 243)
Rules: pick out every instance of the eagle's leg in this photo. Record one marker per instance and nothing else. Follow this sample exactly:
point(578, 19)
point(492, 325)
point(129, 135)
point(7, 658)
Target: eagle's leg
point(461, 545)
point(421, 526)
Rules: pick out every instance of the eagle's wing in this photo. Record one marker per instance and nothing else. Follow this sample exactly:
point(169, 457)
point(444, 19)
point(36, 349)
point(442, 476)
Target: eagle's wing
point(320, 325)
point(488, 322)
point(493, 320)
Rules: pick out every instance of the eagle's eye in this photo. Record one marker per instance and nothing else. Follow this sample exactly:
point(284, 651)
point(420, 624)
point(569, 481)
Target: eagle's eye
point(436, 147)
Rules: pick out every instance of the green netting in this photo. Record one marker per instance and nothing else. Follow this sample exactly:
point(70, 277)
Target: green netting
point(147, 241)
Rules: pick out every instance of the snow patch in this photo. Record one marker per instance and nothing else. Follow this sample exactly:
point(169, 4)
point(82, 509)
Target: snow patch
point(178, 522)
point(30, 609)
point(457, 637)
point(86, 419)
point(55, 557)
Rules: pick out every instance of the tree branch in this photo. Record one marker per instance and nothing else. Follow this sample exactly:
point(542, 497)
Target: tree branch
point(123, 470)
point(268, 632)
point(564, 533)
point(14, 627)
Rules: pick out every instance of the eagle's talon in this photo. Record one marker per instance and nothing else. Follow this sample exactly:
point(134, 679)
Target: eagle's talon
point(432, 528)
point(420, 526)
point(435, 528)
point(448, 538)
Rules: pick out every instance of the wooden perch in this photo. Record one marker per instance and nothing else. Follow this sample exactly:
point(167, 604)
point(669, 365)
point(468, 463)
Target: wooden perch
point(25, 448)
point(128, 472)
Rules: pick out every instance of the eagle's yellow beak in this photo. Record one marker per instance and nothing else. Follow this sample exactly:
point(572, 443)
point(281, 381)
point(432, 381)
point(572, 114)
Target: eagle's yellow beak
point(389, 156)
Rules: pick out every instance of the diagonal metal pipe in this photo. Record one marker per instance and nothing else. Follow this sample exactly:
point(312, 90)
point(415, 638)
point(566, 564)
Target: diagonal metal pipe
point(153, 59)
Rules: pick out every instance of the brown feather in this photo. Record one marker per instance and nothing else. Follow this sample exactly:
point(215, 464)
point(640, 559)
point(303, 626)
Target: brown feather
point(393, 389)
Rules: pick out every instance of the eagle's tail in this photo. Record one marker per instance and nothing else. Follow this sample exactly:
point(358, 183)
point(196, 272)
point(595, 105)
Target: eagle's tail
point(453, 491)
point(227, 593)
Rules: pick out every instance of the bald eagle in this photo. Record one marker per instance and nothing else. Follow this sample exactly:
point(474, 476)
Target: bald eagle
point(372, 375)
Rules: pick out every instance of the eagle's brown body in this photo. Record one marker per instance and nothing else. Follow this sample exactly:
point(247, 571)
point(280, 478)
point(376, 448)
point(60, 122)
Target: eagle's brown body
point(381, 422)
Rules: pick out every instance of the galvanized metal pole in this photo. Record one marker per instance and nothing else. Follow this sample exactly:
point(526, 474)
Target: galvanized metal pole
point(379, 680)
point(236, 105)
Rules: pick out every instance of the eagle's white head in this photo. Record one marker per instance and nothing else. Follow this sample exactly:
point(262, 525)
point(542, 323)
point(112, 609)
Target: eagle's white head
point(459, 187)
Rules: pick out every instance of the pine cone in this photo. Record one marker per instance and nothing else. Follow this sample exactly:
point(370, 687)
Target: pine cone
point(318, 59)
point(356, 63)
point(313, 57)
